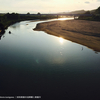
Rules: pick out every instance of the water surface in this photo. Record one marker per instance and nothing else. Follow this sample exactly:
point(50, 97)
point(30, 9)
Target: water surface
point(36, 63)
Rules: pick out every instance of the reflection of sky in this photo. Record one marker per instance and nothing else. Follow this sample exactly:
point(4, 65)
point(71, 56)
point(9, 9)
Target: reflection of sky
point(25, 46)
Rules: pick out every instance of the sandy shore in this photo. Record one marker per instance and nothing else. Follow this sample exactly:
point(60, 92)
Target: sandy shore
point(80, 31)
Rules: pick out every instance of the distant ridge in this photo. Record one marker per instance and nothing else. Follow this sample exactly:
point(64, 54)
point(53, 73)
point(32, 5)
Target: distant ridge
point(73, 12)
point(77, 12)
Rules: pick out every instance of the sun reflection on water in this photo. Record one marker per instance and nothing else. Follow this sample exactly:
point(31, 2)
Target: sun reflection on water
point(62, 19)
point(61, 40)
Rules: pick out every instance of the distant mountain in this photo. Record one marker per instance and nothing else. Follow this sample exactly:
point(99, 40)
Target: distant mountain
point(78, 12)
point(74, 12)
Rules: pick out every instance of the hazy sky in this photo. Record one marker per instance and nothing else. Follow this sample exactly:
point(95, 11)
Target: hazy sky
point(47, 6)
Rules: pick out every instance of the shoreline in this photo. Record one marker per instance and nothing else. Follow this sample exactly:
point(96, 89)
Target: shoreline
point(82, 32)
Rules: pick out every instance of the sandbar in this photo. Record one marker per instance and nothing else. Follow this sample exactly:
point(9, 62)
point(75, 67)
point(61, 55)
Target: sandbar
point(80, 31)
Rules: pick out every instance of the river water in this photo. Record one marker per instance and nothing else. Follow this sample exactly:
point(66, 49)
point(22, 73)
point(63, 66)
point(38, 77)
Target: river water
point(34, 63)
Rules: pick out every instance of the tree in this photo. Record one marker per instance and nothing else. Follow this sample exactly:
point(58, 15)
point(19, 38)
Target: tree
point(1, 26)
point(98, 10)
point(12, 16)
point(88, 12)
point(38, 13)
point(28, 13)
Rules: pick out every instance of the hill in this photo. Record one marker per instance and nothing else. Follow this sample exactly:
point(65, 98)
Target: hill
point(78, 12)
point(73, 12)
point(93, 15)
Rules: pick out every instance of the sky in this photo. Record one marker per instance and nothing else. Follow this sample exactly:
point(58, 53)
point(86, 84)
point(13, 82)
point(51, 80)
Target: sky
point(46, 6)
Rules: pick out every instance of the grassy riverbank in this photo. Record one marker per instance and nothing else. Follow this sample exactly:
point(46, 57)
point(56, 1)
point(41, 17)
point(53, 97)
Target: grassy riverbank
point(80, 31)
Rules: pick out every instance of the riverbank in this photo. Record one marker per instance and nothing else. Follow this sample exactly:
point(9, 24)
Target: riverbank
point(8, 19)
point(80, 31)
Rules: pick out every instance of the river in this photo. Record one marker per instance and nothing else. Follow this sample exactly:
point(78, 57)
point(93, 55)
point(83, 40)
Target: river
point(34, 63)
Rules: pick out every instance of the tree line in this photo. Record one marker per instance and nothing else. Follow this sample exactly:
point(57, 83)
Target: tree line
point(11, 18)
